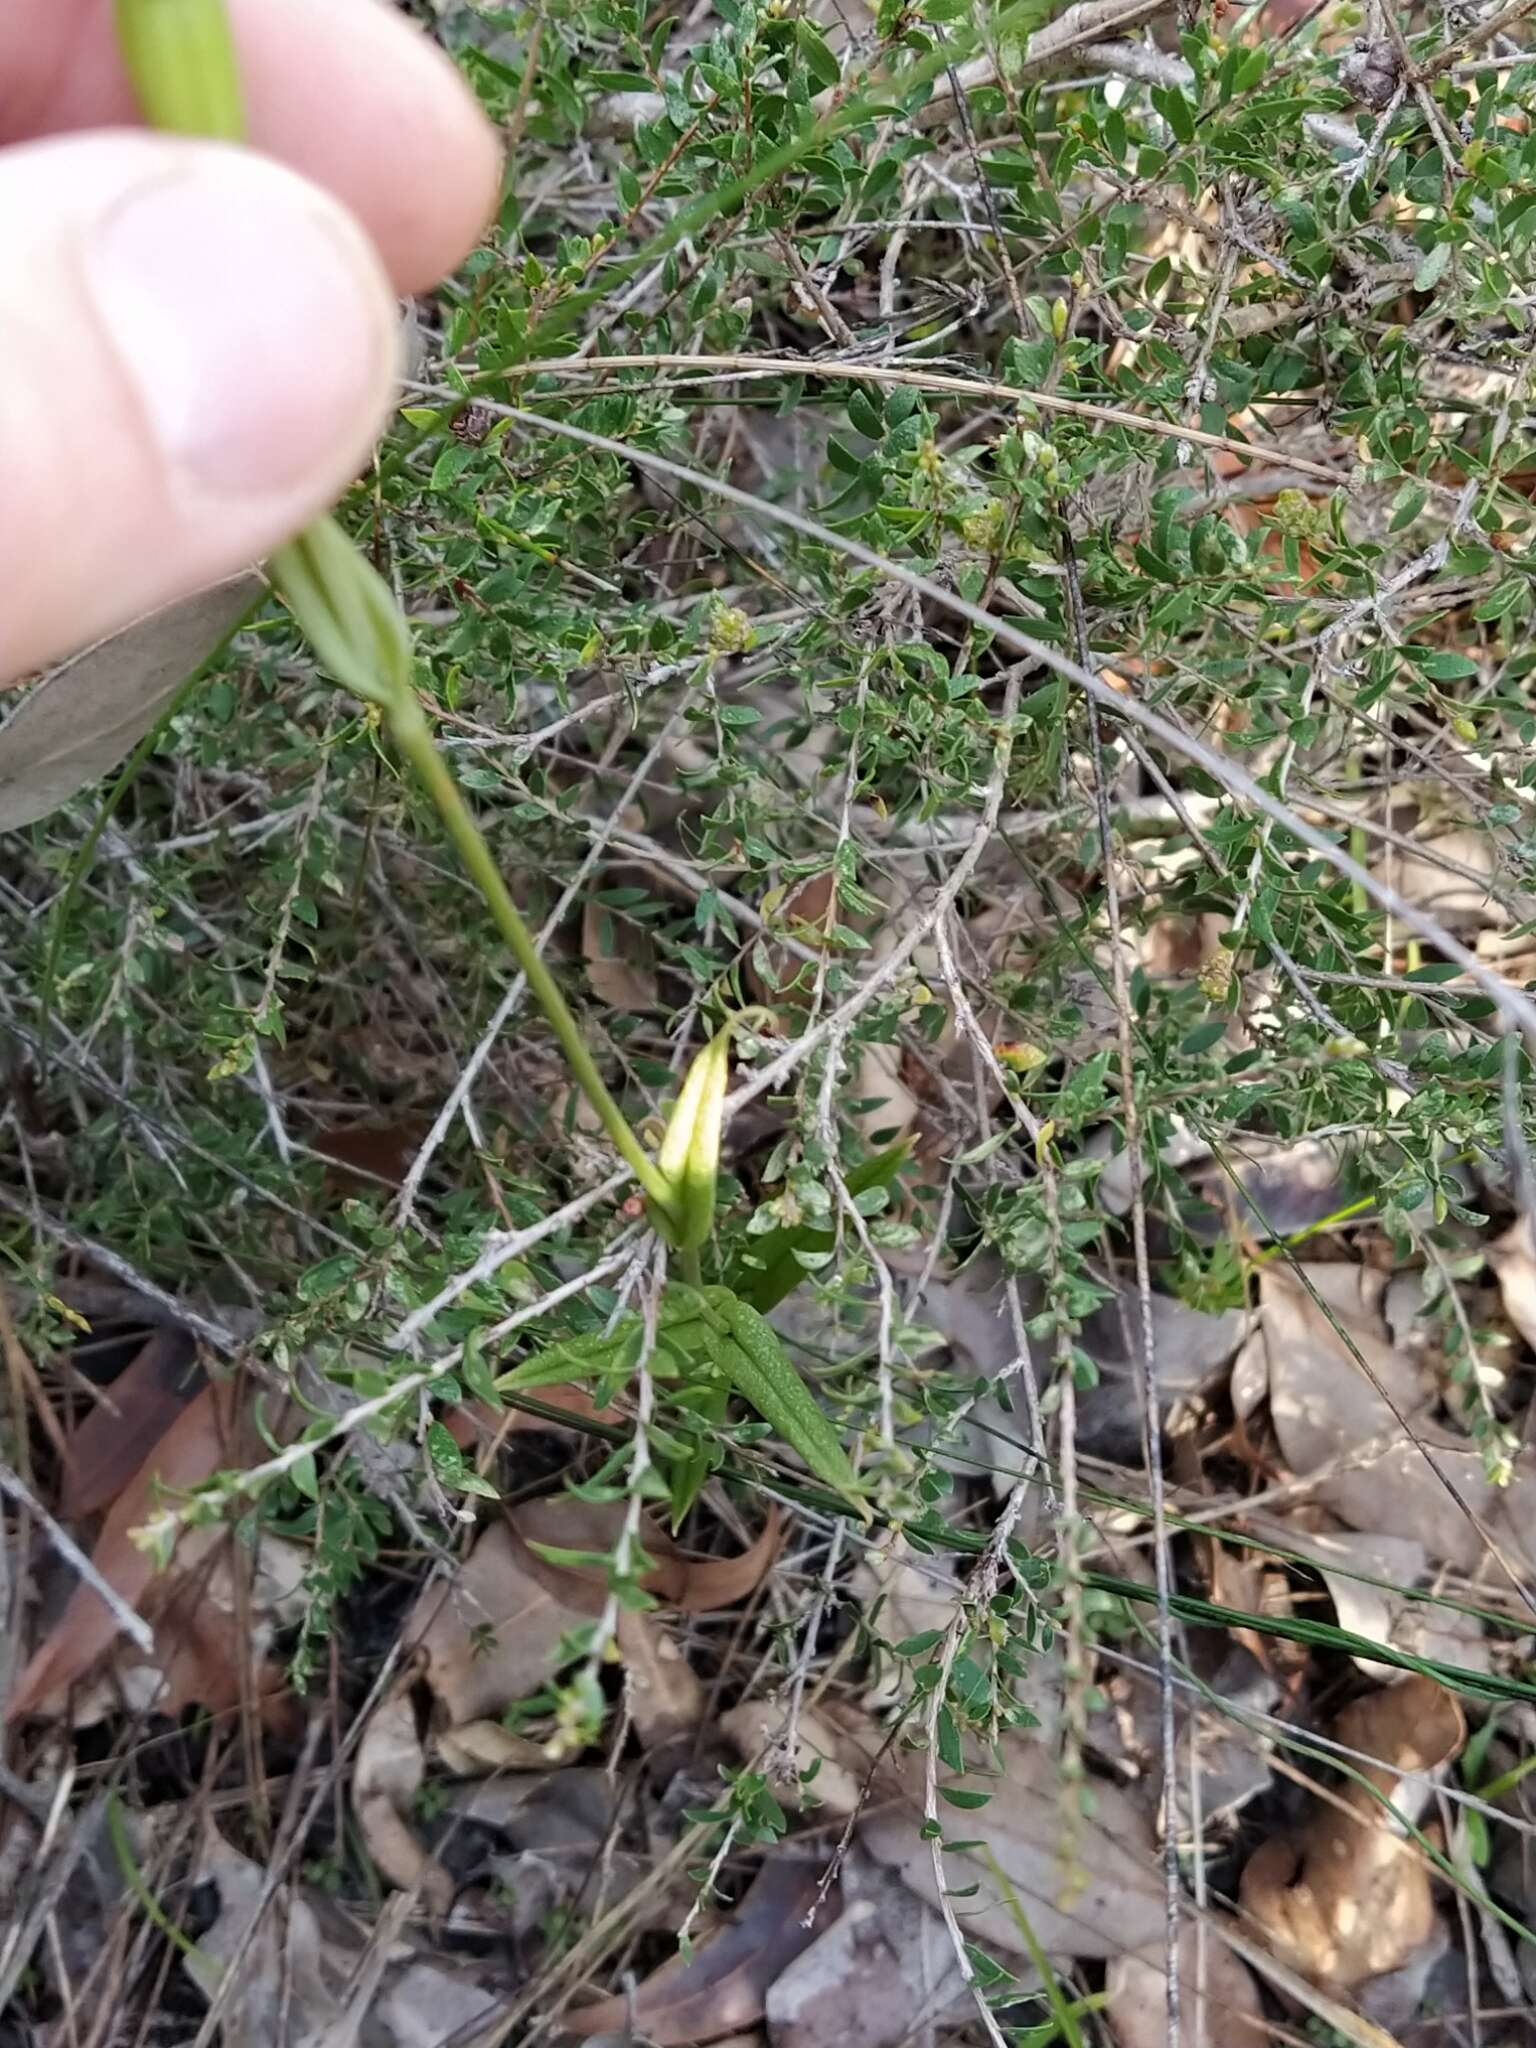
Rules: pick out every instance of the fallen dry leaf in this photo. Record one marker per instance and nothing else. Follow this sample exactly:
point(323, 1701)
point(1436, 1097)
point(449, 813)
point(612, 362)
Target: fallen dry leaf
point(703, 1585)
point(131, 1416)
point(1320, 1397)
point(881, 1975)
point(621, 961)
point(1089, 1884)
point(211, 1432)
point(1385, 1613)
point(91, 711)
point(554, 1836)
point(282, 1988)
point(906, 1594)
point(1110, 1902)
point(969, 1311)
point(878, 1080)
point(1349, 1898)
point(1227, 1762)
point(386, 1777)
point(774, 974)
point(1513, 1259)
point(663, 1692)
point(473, 1423)
point(367, 1157)
point(1219, 2003)
point(724, 1987)
point(759, 1729)
point(490, 1636)
point(694, 1585)
point(480, 1748)
point(215, 1626)
point(1462, 904)
point(289, 1967)
point(1327, 1413)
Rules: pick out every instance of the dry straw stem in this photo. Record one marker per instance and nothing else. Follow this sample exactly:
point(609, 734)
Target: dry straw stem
point(937, 381)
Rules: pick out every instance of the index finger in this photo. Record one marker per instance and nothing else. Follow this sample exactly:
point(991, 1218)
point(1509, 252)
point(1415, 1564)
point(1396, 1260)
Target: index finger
point(343, 90)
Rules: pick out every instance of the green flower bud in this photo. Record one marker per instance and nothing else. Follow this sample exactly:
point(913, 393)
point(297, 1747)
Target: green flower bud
point(689, 1159)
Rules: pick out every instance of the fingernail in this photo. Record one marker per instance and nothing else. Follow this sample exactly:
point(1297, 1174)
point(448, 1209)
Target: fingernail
point(251, 318)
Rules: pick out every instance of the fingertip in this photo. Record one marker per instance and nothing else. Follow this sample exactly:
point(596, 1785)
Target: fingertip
point(378, 114)
point(346, 91)
point(197, 348)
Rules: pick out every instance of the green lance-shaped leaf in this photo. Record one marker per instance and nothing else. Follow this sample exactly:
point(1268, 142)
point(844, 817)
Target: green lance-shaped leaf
point(761, 1373)
point(766, 1269)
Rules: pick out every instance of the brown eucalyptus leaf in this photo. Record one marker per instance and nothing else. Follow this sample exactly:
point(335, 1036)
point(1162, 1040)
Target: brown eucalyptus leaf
point(694, 1585)
point(1371, 1581)
point(840, 1758)
point(620, 959)
point(366, 1157)
point(665, 1695)
point(1329, 1412)
point(883, 1974)
point(215, 1625)
point(289, 1966)
point(1513, 1259)
point(89, 713)
point(284, 1988)
point(474, 1423)
point(1089, 1884)
point(702, 1585)
point(491, 1635)
point(724, 1987)
point(210, 1433)
point(386, 1778)
point(1219, 2001)
point(480, 1748)
point(130, 1417)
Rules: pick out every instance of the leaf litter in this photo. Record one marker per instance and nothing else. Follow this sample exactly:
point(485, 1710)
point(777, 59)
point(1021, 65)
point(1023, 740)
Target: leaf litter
point(821, 1946)
point(515, 1774)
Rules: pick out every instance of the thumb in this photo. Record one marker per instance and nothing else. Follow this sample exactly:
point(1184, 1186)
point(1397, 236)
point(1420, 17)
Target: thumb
point(197, 348)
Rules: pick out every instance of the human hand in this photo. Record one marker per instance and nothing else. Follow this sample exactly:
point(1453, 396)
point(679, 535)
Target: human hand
point(198, 343)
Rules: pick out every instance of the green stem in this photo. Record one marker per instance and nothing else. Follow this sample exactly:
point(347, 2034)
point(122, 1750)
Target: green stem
point(408, 727)
point(181, 57)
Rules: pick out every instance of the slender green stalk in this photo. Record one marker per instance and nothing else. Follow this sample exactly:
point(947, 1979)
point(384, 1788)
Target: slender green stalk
point(1062, 2012)
point(154, 1912)
point(181, 57)
point(409, 730)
